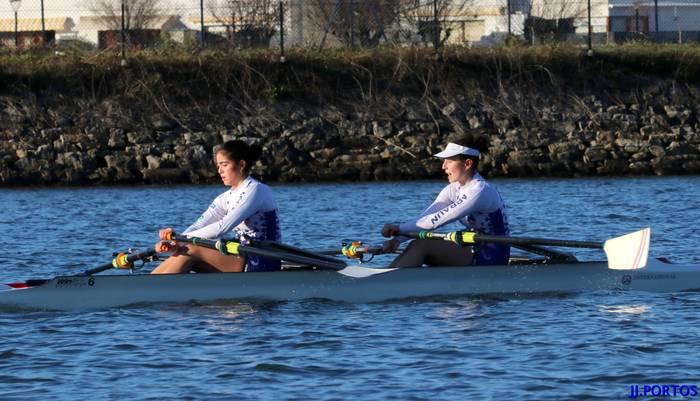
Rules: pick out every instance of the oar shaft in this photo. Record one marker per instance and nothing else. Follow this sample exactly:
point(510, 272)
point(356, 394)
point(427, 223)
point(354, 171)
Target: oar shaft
point(113, 264)
point(98, 269)
point(375, 250)
point(237, 249)
point(538, 241)
point(472, 238)
point(298, 251)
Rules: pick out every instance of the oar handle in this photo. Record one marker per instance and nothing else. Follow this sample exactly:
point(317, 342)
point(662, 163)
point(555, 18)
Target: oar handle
point(469, 237)
point(121, 261)
point(236, 248)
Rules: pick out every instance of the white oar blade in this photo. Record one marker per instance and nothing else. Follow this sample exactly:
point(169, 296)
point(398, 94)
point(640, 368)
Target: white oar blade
point(629, 251)
point(357, 271)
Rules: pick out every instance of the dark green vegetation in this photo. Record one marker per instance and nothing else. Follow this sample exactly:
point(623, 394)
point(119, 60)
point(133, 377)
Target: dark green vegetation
point(195, 88)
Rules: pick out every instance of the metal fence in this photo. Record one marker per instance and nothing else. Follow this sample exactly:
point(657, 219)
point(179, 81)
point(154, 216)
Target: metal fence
point(322, 24)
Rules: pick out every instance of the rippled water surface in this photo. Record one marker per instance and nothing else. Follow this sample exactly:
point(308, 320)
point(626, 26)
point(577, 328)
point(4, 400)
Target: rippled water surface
point(585, 346)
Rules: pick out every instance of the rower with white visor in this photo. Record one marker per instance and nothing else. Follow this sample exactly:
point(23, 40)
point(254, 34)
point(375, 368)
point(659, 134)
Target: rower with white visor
point(468, 199)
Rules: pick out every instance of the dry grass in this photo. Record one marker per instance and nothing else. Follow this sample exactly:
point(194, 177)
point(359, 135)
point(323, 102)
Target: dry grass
point(222, 84)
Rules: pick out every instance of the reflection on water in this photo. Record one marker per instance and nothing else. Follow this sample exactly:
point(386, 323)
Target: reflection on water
point(626, 309)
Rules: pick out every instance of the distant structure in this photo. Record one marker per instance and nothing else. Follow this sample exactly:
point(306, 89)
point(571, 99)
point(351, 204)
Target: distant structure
point(30, 31)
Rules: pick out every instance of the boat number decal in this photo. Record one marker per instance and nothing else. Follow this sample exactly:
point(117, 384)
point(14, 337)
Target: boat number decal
point(75, 282)
point(626, 279)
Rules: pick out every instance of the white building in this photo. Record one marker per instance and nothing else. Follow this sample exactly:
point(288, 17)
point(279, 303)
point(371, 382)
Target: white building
point(89, 27)
point(30, 29)
point(677, 21)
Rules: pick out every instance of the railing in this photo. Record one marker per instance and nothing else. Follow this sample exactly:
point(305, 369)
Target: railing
point(324, 24)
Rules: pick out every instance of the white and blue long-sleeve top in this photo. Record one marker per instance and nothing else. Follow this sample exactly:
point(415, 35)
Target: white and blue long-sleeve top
point(479, 207)
point(248, 211)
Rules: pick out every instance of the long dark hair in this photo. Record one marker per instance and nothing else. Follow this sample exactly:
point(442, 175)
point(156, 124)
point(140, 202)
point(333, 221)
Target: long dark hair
point(239, 150)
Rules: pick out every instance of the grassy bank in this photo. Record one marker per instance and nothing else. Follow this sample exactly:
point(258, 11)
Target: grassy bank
point(313, 73)
point(217, 84)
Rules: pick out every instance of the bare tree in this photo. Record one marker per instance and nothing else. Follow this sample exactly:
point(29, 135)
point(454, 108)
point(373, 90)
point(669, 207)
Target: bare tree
point(426, 18)
point(558, 9)
point(137, 13)
point(248, 23)
point(558, 19)
point(354, 22)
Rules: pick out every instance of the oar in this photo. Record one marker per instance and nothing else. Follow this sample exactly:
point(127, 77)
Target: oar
point(121, 261)
point(626, 252)
point(236, 248)
point(291, 254)
point(289, 248)
point(364, 249)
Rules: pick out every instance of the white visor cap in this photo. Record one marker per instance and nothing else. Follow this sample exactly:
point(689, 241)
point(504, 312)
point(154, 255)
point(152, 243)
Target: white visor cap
point(453, 149)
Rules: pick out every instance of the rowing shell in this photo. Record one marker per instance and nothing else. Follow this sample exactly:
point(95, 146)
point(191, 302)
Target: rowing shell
point(90, 292)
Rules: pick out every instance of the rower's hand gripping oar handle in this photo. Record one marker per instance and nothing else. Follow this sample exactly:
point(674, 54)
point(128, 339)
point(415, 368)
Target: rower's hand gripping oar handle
point(223, 246)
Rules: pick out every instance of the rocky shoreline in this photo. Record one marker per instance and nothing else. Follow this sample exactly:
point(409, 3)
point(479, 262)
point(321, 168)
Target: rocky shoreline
point(527, 131)
point(328, 145)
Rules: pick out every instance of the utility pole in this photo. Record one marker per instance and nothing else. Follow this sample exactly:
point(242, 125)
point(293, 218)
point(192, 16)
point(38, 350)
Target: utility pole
point(282, 59)
point(436, 29)
point(590, 30)
point(123, 33)
point(656, 19)
point(43, 25)
point(509, 11)
point(201, 22)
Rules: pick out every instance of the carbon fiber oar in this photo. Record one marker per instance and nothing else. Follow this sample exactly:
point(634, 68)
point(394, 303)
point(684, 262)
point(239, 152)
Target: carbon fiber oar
point(626, 252)
point(236, 248)
point(469, 238)
point(303, 252)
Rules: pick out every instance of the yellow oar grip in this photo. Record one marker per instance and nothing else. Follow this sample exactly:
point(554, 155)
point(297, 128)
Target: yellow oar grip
point(468, 237)
point(232, 248)
point(461, 237)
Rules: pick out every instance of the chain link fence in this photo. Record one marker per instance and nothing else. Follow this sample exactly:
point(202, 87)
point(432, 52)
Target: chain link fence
point(321, 24)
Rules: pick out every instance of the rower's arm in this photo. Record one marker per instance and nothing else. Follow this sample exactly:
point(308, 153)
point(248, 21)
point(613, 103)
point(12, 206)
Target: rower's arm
point(247, 203)
point(462, 206)
point(213, 213)
point(443, 200)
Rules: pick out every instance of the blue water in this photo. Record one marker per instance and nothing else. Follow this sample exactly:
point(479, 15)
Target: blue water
point(585, 346)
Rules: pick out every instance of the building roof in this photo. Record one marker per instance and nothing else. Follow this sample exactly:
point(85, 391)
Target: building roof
point(473, 11)
point(478, 12)
point(34, 24)
point(629, 3)
point(160, 22)
point(222, 20)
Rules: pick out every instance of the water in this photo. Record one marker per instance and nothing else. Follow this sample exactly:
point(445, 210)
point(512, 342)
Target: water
point(585, 346)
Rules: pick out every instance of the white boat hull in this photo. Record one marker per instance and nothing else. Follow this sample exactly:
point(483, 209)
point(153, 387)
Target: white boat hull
point(89, 292)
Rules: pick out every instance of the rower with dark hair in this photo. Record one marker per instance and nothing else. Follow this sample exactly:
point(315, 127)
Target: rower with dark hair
point(247, 211)
point(469, 199)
